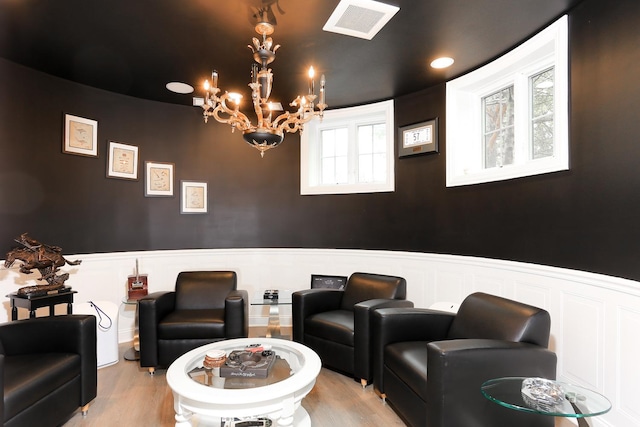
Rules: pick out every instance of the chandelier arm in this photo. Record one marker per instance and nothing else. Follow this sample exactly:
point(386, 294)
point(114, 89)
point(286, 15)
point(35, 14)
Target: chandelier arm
point(236, 118)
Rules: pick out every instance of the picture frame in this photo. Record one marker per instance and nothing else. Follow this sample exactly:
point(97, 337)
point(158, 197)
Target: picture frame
point(122, 161)
point(328, 282)
point(80, 136)
point(418, 138)
point(193, 198)
point(158, 179)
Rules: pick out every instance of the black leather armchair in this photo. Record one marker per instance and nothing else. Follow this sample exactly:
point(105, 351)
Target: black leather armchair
point(430, 365)
point(336, 323)
point(48, 369)
point(205, 307)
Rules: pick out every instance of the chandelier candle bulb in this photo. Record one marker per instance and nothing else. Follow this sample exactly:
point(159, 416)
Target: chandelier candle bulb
point(322, 83)
point(214, 78)
point(311, 82)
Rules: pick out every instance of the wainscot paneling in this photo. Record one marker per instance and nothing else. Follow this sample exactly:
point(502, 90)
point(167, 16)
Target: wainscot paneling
point(595, 318)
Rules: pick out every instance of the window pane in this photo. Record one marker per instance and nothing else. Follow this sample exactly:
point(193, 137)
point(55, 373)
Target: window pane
point(498, 113)
point(328, 143)
point(333, 156)
point(342, 141)
point(542, 114)
point(365, 168)
point(328, 171)
point(379, 167)
point(372, 148)
point(380, 138)
point(365, 139)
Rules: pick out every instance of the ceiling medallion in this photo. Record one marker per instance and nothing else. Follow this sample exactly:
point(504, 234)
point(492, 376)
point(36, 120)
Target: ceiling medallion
point(269, 131)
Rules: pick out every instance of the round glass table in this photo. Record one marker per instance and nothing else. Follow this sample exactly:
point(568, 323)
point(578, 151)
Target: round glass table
point(577, 402)
point(204, 398)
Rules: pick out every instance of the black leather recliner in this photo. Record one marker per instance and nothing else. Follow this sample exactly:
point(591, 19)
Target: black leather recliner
point(48, 369)
point(205, 307)
point(335, 323)
point(430, 365)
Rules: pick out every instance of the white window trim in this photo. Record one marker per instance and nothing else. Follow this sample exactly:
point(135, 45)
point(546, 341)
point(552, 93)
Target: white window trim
point(464, 100)
point(331, 119)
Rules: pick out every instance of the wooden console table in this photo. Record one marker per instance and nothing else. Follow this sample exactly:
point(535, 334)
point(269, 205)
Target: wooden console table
point(33, 303)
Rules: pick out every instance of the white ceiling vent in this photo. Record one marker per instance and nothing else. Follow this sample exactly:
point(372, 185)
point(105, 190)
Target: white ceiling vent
point(360, 18)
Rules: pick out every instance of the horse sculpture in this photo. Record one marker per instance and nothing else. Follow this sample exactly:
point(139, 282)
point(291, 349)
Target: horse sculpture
point(45, 258)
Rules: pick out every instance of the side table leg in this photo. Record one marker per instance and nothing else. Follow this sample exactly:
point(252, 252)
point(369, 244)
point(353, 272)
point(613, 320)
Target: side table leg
point(273, 329)
point(14, 312)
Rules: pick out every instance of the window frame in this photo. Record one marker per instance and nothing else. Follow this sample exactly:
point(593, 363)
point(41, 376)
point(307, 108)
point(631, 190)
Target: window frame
point(465, 153)
point(350, 116)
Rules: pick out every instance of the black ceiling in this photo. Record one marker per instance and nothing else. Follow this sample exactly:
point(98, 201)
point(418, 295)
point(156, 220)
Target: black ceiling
point(135, 47)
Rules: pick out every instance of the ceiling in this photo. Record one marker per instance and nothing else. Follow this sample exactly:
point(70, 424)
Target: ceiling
point(136, 47)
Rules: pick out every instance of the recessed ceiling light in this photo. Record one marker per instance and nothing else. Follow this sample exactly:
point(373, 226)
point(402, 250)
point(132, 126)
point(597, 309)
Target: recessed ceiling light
point(443, 62)
point(178, 87)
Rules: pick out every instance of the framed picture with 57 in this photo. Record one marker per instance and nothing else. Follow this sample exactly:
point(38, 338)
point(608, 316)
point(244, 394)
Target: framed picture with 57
point(419, 138)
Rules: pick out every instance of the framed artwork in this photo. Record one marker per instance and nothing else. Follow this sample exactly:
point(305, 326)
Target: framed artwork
point(80, 136)
point(418, 138)
point(122, 161)
point(158, 179)
point(194, 197)
point(328, 282)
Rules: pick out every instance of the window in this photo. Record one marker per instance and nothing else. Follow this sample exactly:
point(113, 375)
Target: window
point(509, 118)
point(351, 150)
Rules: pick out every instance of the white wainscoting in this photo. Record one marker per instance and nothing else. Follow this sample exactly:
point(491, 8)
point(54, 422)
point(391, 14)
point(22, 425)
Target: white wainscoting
point(595, 318)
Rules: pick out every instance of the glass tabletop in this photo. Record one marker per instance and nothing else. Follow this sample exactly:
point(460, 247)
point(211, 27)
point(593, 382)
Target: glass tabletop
point(575, 401)
point(285, 362)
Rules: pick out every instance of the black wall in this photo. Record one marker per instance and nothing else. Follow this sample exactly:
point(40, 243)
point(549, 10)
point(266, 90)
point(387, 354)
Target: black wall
point(586, 218)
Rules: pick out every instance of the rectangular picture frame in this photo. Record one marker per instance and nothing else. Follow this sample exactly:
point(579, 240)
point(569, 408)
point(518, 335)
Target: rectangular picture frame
point(158, 179)
point(80, 136)
point(328, 282)
point(193, 199)
point(122, 161)
point(418, 138)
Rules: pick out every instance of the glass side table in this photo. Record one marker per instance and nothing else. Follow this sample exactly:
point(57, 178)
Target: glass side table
point(133, 353)
point(273, 328)
point(578, 403)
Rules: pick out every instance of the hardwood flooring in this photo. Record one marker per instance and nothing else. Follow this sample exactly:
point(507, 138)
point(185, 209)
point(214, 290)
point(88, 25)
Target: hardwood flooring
point(129, 396)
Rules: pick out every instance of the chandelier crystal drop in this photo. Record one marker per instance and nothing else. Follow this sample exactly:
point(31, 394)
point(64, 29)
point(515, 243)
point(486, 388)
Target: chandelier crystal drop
point(269, 131)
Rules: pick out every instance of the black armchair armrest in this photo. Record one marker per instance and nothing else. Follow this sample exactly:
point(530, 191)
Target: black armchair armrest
point(362, 332)
point(457, 369)
point(57, 334)
point(311, 301)
point(389, 325)
point(236, 314)
point(151, 309)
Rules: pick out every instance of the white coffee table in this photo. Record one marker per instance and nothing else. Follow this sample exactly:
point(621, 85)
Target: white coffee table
point(197, 404)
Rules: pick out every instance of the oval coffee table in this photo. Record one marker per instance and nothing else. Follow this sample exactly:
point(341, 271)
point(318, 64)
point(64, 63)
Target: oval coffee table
point(203, 399)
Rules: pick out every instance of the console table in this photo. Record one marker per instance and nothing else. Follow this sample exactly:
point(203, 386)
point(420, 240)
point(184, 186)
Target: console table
point(64, 296)
point(579, 402)
point(273, 328)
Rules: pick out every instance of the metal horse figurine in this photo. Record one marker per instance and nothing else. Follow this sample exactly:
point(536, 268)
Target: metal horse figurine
point(45, 258)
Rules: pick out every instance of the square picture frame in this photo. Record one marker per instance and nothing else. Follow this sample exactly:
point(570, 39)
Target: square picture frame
point(193, 198)
point(80, 136)
point(122, 161)
point(158, 179)
point(418, 138)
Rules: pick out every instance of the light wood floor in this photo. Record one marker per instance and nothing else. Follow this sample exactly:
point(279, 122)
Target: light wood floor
point(129, 396)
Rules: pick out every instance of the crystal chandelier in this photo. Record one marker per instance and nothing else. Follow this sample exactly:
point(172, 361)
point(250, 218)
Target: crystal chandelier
point(269, 131)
